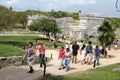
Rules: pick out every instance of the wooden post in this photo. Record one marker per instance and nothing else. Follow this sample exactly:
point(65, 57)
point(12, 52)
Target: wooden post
point(44, 70)
point(51, 56)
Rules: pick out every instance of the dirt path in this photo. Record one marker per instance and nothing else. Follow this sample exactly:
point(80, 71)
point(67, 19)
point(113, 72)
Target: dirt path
point(54, 63)
point(52, 66)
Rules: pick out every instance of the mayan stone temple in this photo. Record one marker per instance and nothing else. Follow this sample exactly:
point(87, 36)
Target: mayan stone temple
point(87, 25)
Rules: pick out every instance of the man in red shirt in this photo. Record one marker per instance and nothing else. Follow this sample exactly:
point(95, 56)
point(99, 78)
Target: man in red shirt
point(41, 49)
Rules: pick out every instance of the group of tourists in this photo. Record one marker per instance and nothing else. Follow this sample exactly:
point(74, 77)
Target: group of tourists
point(70, 53)
point(66, 55)
point(30, 55)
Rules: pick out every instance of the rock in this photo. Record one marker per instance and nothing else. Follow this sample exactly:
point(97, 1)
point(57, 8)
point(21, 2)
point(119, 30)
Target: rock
point(117, 69)
point(3, 58)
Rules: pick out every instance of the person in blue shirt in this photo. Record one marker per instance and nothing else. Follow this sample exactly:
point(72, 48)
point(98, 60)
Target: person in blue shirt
point(96, 56)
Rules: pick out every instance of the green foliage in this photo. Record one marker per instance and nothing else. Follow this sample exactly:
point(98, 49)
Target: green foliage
point(45, 24)
point(107, 35)
point(21, 18)
point(115, 22)
point(104, 73)
point(55, 14)
point(7, 18)
point(10, 19)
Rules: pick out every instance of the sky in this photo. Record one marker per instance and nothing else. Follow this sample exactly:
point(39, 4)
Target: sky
point(104, 7)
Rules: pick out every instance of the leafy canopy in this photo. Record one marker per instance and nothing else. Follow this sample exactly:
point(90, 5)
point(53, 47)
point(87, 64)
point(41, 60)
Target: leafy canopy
point(45, 24)
point(107, 34)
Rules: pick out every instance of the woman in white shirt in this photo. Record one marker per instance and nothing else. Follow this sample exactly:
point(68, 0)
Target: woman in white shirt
point(83, 51)
point(68, 56)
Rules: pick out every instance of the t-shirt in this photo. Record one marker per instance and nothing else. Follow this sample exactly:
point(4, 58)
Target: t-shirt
point(75, 47)
point(42, 49)
point(61, 53)
point(67, 54)
point(89, 48)
point(97, 52)
point(30, 52)
point(66, 46)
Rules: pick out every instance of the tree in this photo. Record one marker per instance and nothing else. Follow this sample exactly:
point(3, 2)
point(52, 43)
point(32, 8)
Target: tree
point(11, 8)
point(107, 34)
point(44, 25)
point(7, 18)
point(21, 18)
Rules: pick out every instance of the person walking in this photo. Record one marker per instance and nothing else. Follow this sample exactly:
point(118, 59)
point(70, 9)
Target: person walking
point(68, 56)
point(83, 53)
point(42, 49)
point(61, 58)
point(75, 48)
point(30, 56)
point(89, 50)
point(96, 56)
point(55, 42)
point(70, 47)
point(66, 45)
point(81, 45)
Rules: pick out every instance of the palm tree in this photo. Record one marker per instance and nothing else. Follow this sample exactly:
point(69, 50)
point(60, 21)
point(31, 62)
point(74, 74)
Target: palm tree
point(107, 34)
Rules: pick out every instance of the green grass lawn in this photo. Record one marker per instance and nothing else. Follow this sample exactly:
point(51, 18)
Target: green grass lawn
point(8, 50)
point(104, 73)
point(23, 40)
point(9, 44)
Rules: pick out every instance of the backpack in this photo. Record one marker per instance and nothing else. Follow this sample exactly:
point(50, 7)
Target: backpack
point(89, 49)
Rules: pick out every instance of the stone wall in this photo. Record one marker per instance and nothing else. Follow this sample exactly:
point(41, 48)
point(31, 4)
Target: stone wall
point(63, 23)
point(88, 26)
point(31, 18)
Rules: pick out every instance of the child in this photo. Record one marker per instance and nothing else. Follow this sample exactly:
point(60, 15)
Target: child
point(30, 56)
point(61, 57)
point(96, 56)
point(83, 51)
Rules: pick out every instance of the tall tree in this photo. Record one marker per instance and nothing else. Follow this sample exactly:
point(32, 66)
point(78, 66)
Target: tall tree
point(107, 34)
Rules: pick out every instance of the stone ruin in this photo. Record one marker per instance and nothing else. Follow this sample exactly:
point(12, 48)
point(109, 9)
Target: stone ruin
point(88, 25)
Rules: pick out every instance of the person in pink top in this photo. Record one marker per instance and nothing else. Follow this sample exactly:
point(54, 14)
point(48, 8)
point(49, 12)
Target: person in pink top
point(61, 58)
point(41, 49)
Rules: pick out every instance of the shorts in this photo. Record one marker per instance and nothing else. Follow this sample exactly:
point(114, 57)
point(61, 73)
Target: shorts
point(75, 53)
point(96, 57)
point(89, 54)
point(30, 62)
